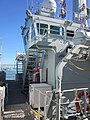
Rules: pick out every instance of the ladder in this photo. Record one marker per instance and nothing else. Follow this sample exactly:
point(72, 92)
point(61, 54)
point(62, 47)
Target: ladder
point(34, 58)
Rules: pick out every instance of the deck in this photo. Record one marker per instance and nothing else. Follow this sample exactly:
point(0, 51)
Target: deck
point(17, 107)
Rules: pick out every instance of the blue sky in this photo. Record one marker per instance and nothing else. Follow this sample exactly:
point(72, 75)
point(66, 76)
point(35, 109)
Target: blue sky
point(12, 16)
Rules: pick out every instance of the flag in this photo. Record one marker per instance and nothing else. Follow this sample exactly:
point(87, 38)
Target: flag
point(63, 9)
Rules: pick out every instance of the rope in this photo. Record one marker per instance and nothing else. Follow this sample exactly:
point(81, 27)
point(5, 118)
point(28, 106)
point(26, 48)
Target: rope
point(46, 96)
point(72, 70)
point(79, 68)
point(75, 71)
point(64, 108)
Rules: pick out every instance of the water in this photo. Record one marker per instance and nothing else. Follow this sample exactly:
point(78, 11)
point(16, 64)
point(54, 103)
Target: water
point(10, 74)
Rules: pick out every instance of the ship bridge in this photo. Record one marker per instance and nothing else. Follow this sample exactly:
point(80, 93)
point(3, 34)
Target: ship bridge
point(43, 33)
point(40, 31)
point(40, 34)
point(47, 39)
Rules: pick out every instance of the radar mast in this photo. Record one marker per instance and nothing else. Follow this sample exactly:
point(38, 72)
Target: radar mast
point(48, 8)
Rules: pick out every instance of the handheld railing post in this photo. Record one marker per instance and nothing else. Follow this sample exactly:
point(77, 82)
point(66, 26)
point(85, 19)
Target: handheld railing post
point(0, 108)
point(39, 106)
point(29, 94)
point(1, 112)
point(59, 106)
point(3, 94)
point(63, 112)
point(33, 94)
point(85, 105)
point(45, 107)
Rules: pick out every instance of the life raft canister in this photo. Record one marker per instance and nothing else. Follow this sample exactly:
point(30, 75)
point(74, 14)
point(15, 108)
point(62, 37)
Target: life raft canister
point(77, 99)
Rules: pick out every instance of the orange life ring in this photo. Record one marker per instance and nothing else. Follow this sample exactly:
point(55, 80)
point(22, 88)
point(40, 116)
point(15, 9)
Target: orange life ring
point(77, 99)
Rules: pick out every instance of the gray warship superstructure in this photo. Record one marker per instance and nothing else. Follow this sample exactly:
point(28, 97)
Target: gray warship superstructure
point(61, 50)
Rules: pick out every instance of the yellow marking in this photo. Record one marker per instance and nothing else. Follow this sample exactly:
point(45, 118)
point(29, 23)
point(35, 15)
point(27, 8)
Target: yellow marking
point(36, 113)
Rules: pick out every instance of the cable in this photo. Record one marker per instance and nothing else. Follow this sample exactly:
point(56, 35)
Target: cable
point(75, 71)
point(72, 70)
point(79, 68)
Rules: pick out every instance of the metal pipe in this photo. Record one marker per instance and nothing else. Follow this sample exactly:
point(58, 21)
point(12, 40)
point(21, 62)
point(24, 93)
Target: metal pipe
point(45, 107)
point(85, 104)
point(39, 106)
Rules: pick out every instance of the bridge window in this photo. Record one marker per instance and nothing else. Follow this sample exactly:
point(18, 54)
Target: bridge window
point(55, 30)
point(42, 28)
point(70, 33)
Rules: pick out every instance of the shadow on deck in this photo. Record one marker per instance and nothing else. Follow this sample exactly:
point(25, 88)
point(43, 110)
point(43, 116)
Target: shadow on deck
point(17, 107)
point(15, 95)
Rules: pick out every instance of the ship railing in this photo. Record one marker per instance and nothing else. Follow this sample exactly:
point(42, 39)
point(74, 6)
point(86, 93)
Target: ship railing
point(50, 34)
point(25, 67)
point(43, 98)
point(8, 66)
point(9, 71)
point(65, 105)
point(76, 95)
point(66, 109)
point(65, 33)
point(2, 99)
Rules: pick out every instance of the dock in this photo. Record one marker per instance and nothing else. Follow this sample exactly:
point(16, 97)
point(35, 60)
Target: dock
point(17, 107)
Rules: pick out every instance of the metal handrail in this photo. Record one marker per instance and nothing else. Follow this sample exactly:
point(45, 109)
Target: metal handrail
point(40, 112)
point(35, 38)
